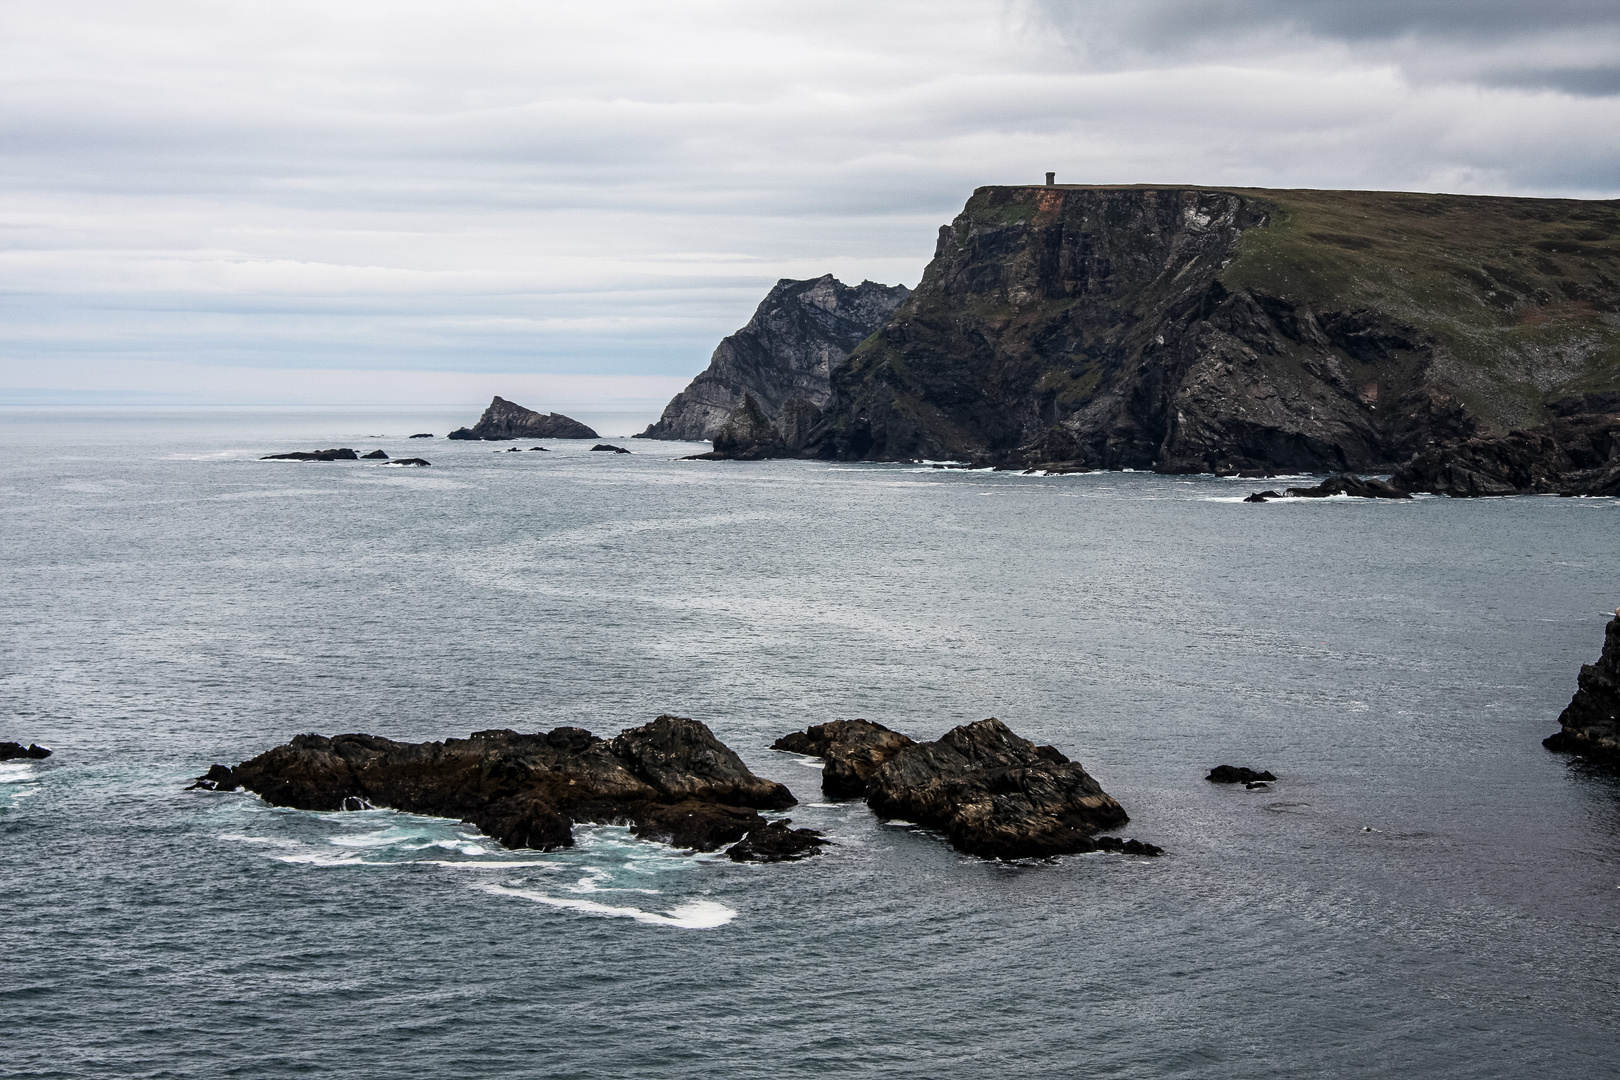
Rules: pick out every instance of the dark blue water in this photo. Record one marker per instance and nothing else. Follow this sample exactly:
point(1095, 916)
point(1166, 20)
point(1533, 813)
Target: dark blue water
point(1425, 892)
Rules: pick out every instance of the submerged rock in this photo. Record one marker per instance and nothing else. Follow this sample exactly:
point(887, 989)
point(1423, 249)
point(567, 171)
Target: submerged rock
point(375, 455)
point(505, 420)
point(852, 749)
point(776, 842)
point(994, 794)
point(10, 750)
point(1263, 496)
point(340, 454)
point(1236, 774)
point(423, 435)
point(671, 780)
point(1591, 723)
point(416, 461)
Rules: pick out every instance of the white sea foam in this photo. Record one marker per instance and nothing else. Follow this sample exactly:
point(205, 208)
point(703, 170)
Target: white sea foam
point(485, 864)
point(268, 841)
point(16, 772)
point(812, 763)
point(693, 915)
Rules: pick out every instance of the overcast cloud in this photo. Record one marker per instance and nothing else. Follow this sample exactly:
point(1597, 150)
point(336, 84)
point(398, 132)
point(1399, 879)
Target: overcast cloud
point(397, 201)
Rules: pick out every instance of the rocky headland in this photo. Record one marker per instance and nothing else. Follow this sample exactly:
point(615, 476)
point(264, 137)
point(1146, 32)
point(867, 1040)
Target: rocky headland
point(783, 359)
point(1467, 344)
point(670, 780)
point(1591, 723)
point(505, 420)
point(990, 792)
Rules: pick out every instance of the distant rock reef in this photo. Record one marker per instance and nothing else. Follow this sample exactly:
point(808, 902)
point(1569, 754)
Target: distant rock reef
point(1467, 345)
point(505, 420)
point(782, 360)
point(1591, 723)
point(990, 792)
point(670, 780)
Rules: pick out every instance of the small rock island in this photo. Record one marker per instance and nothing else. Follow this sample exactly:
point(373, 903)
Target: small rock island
point(1591, 723)
point(505, 420)
point(670, 780)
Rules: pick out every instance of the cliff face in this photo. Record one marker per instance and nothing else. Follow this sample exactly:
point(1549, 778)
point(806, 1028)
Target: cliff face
point(505, 420)
point(1226, 330)
point(800, 333)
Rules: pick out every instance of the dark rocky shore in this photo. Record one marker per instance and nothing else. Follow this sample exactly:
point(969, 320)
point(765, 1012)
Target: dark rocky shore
point(992, 793)
point(505, 420)
point(670, 780)
point(1591, 723)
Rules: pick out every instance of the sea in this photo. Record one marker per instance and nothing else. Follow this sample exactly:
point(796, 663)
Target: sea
point(1424, 892)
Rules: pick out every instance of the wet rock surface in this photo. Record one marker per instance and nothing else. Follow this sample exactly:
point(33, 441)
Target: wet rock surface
point(994, 794)
point(853, 750)
point(1237, 774)
point(670, 780)
point(609, 448)
point(1591, 723)
point(775, 842)
point(505, 420)
point(33, 751)
point(343, 453)
point(1128, 847)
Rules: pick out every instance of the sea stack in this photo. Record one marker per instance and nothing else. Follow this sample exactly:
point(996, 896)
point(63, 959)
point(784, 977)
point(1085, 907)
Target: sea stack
point(505, 420)
point(1591, 723)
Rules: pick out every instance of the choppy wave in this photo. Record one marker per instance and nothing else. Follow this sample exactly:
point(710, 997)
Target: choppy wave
point(692, 915)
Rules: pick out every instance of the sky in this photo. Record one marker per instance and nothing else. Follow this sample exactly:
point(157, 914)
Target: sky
point(569, 204)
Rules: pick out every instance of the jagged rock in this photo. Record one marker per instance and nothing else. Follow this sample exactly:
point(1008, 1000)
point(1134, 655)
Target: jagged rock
point(1262, 496)
point(1576, 453)
point(852, 751)
point(423, 435)
point(1591, 723)
point(1127, 847)
point(1236, 774)
point(505, 420)
point(10, 750)
point(375, 455)
point(776, 842)
point(672, 780)
point(1347, 484)
point(610, 448)
point(801, 332)
point(411, 461)
point(341, 454)
point(994, 794)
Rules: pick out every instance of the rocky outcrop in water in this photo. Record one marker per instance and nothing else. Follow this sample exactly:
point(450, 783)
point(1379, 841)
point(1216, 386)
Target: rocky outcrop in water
point(1231, 330)
point(671, 780)
point(851, 750)
point(1347, 484)
point(1238, 774)
point(340, 454)
point(784, 358)
point(777, 843)
point(411, 462)
point(375, 455)
point(994, 794)
point(505, 420)
point(12, 750)
point(1591, 723)
point(610, 448)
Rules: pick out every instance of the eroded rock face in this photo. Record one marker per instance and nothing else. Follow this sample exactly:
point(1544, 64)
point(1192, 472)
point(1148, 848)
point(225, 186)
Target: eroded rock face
point(1576, 454)
point(784, 358)
point(853, 751)
point(505, 420)
point(671, 780)
point(994, 794)
point(10, 750)
point(1591, 723)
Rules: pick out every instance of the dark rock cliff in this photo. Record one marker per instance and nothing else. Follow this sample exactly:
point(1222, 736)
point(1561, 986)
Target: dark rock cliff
point(505, 420)
point(1229, 330)
point(1591, 723)
point(801, 332)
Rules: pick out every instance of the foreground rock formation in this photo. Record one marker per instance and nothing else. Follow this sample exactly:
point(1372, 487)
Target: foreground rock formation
point(1591, 723)
point(1190, 330)
point(992, 793)
point(505, 420)
point(671, 780)
point(783, 359)
point(33, 751)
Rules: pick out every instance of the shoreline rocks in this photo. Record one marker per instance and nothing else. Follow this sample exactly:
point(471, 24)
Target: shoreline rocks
point(853, 751)
point(10, 751)
point(775, 842)
point(669, 780)
point(505, 420)
point(1590, 724)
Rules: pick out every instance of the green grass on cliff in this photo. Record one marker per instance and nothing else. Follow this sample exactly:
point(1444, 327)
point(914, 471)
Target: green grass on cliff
point(1521, 297)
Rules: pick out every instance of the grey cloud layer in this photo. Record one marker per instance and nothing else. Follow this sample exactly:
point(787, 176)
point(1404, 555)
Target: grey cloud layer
point(608, 188)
